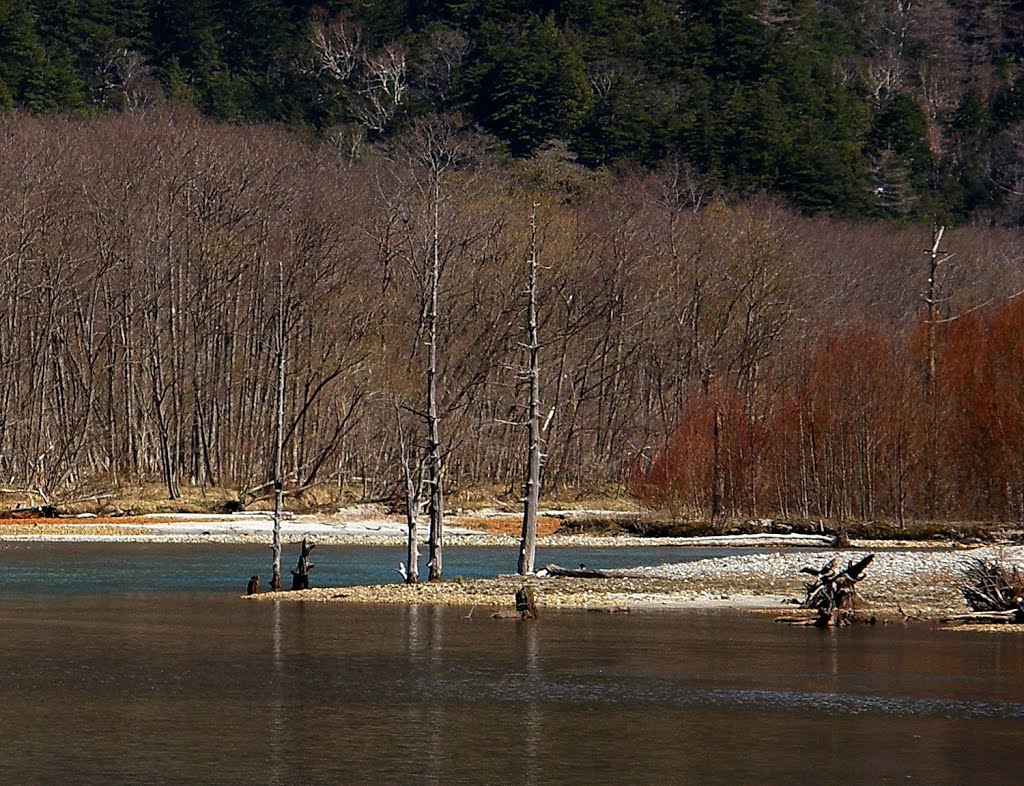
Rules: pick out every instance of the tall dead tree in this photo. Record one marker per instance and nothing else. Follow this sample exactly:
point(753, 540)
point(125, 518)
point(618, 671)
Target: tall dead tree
point(531, 492)
point(931, 299)
point(275, 580)
point(436, 147)
point(434, 457)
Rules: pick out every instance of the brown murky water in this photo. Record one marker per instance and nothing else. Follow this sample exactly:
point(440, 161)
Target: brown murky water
point(212, 689)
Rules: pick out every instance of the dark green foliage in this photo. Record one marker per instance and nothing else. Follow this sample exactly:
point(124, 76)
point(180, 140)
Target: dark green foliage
point(30, 77)
point(528, 84)
point(778, 95)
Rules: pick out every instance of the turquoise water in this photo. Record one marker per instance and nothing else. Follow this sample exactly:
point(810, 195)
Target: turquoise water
point(88, 568)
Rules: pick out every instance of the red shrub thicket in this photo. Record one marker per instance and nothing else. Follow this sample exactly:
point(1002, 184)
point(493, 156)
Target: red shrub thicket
point(855, 430)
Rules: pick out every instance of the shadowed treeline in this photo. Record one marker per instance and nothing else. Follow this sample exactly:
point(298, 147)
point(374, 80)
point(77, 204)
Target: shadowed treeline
point(138, 298)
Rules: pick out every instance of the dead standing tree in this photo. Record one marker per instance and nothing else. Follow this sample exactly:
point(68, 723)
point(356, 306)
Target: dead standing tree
point(436, 148)
point(935, 259)
point(300, 576)
point(438, 163)
point(531, 495)
point(717, 470)
point(275, 580)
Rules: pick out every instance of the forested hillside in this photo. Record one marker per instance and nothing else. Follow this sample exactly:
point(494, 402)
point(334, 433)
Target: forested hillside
point(895, 108)
point(743, 307)
point(145, 255)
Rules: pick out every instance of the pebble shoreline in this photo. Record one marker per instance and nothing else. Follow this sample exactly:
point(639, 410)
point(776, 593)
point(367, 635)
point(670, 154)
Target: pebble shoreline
point(921, 583)
point(921, 578)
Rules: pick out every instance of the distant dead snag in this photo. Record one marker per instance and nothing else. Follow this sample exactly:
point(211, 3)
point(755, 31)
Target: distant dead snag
point(300, 576)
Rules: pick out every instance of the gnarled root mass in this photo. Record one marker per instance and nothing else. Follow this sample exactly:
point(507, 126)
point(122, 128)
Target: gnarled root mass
point(833, 592)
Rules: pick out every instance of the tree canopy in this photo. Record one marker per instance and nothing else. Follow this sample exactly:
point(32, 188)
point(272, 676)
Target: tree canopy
point(859, 107)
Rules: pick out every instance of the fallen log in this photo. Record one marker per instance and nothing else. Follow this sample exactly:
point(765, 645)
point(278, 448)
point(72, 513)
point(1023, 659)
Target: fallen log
point(1011, 617)
point(35, 512)
point(582, 572)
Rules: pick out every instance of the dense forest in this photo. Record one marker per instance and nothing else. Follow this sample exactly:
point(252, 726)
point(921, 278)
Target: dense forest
point(146, 255)
point(745, 306)
point(898, 108)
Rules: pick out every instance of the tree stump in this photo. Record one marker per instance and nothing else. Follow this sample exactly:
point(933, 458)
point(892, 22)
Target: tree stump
point(300, 575)
point(254, 586)
point(526, 603)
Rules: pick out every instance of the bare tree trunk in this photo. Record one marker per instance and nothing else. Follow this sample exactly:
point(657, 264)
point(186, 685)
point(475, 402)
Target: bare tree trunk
point(931, 301)
point(275, 581)
point(434, 474)
point(717, 470)
point(411, 572)
point(531, 496)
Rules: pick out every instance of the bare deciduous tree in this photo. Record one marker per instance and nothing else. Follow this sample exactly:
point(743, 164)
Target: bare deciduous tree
point(531, 486)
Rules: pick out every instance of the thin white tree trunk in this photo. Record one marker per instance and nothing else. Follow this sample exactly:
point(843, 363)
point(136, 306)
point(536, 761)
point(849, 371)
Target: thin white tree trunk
point(931, 302)
point(531, 496)
point(434, 473)
point(412, 501)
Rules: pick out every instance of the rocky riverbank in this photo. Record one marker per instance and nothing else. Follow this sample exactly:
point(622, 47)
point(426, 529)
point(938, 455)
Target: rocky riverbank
point(920, 583)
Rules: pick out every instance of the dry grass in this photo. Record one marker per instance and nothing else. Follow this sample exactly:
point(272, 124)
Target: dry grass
point(122, 525)
point(506, 525)
point(128, 500)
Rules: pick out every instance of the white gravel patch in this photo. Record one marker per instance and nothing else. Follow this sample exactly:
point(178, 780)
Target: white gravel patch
point(915, 566)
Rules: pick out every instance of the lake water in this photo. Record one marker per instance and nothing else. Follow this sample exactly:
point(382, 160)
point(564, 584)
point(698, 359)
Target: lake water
point(205, 687)
point(84, 568)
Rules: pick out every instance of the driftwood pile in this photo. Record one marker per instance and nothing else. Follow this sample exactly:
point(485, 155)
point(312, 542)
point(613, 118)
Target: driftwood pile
point(994, 592)
point(833, 592)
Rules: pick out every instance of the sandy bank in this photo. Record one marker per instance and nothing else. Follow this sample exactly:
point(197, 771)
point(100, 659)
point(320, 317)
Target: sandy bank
point(353, 527)
point(627, 594)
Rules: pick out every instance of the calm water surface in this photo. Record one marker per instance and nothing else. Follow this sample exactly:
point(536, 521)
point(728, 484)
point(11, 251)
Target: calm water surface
point(205, 687)
point(87, 568)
